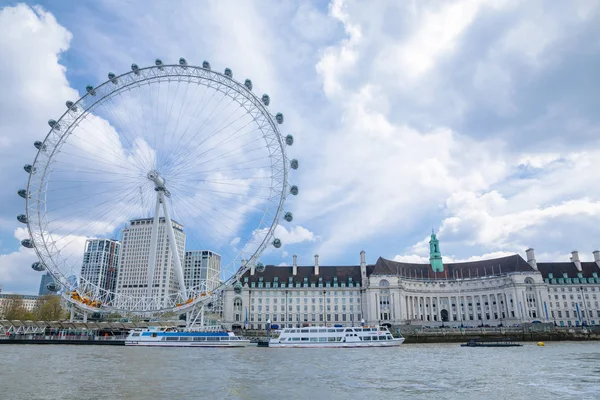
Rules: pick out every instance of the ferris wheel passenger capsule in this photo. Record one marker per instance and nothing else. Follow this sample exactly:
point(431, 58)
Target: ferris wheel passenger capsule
point(159, 63)
point(279, 118)
point(135, 69)
point(22, 218)
point(277, 243)
point(260, 267)
point(294, 164)
point(266, 99)
point(53, 124)
point(228, 73)
point(183, 62)
point(288, 216)
point(294, 190)
point(27, 243)
point(237, 288)
point(71, 106)
point(113, 78)
point(22, 193)
point(248, 84)
point(206, 65)
point(39, 145)
point(53, 287)
point(28, 168)
point(38, 266)
point(90, 90)
point(289, 140)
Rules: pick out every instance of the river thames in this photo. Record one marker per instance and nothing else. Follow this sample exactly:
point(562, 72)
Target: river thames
point(560, 370)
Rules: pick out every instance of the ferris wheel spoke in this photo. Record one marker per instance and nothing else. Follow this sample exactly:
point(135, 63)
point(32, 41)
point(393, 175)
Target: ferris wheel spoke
point(221, 128)
point(229, 198)
point(128, 134)
point(188, 166)
point(108, 148)
point(179, 142)
point(72, 258)
point(107, 211)
point(208, 119)
point(224, 141)
point(167, 146)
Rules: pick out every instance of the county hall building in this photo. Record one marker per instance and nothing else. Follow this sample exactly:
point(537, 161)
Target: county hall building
point(502, 291)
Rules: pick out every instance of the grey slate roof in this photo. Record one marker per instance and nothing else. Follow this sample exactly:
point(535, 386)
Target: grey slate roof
point(559, 268)
point(471, 269)
point(327, 273)
point(496, 266)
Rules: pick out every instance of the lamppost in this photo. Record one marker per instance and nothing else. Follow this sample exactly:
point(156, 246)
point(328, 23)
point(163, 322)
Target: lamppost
point(269, 327)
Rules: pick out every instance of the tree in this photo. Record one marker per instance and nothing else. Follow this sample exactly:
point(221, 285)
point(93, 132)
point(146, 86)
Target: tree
point(50, 308)
point(15, 309)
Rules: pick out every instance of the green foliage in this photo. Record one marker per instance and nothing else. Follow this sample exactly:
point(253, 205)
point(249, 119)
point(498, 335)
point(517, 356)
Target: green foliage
point(50, 308)
point(15, 310)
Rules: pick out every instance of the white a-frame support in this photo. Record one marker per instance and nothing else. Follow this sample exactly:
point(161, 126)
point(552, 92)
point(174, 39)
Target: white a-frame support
point(160, 199)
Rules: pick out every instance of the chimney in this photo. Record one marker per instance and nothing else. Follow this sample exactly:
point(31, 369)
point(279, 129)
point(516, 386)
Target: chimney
point(597, 257)
point(316, 264)
point(295, 266)
point(363, 269)
point(531, 258)
point(252, 268)
point(575, 259)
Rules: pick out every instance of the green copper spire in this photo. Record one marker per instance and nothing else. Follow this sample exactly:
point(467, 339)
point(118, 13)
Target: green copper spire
point(435, 256)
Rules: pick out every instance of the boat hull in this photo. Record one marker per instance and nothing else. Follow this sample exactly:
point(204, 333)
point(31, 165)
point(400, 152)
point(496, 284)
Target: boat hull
point(237, 343)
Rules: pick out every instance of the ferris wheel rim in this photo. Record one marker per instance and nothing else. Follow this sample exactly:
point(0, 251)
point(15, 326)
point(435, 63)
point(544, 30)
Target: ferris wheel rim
point(35, 210)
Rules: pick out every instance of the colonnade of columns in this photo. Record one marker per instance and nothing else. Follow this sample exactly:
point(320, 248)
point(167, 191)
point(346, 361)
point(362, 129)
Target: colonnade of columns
point(462, 308)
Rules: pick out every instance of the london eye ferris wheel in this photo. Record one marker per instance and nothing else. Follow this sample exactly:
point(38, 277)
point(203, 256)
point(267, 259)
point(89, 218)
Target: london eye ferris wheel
point(181, 147)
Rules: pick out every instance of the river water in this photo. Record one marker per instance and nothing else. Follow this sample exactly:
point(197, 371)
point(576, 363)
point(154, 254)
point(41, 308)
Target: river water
point(560, 370)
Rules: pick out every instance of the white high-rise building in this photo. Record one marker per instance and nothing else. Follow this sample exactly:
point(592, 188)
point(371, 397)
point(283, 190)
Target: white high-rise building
point(200, 266)
point(133, 260)
point(100, 264)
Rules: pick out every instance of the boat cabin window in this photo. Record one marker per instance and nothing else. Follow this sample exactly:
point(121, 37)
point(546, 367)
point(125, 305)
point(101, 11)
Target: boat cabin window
point(330, 330)
point(367, 338)
point(198, 339)
point(136, 334)
point(322, 330)
point(349, 330)
point(171, 338)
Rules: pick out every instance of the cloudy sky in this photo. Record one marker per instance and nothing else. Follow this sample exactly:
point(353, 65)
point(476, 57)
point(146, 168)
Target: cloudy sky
point(478, 119)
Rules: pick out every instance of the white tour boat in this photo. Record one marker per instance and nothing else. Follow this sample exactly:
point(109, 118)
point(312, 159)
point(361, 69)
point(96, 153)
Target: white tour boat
point(174, 337)
point(320, 336)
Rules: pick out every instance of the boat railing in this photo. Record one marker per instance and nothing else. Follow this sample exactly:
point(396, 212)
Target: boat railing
point(204, 329)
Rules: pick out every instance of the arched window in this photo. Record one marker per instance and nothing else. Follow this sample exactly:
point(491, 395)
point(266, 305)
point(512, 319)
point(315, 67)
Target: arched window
point(384, 283)
point(237, 309)
point(529, 281)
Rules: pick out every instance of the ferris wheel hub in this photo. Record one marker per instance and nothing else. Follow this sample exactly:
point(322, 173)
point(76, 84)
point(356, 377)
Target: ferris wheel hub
point(159, 182)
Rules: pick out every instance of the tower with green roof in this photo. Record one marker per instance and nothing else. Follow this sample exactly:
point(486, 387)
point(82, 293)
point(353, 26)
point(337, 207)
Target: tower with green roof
point(435, 256)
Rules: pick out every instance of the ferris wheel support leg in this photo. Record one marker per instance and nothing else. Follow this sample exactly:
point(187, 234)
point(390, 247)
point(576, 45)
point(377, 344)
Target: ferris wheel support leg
point(173, 244)
point(152, 255)
point(71, 313)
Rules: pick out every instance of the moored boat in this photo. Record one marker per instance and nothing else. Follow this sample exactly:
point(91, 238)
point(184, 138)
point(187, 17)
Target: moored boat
point(491, 342)
point(174, 337)
point(321, 336)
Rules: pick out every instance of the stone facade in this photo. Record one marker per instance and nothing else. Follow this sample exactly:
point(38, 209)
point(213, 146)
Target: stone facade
point(503, 291)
